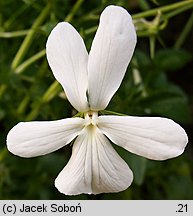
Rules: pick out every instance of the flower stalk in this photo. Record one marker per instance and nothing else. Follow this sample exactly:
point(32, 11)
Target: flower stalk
point(55, 87)
point(29, 38)
point(21, 68)
point(163, 9)
point(184, 33)
point(14, 34)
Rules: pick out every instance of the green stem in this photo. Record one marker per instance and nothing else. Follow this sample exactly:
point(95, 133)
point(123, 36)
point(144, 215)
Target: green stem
point(74, 10)
point(3, 154)
point(144, 5)
point(162, 9)
point(137, 79)
point(1, 15)
point(185, 32)
point(22, 107)
point(29, 38)
point(7, 24)
point(152, 46)
point(52, 91)
point(92, 15)
point(2, 89)
point(29, 61)
point(33, 114)
point(179, 11)
point(39, 55)
point(108, 112)
point(91, 30)
point(79, 114)
point(13, 34)
point(42, 69)
point(55, 87)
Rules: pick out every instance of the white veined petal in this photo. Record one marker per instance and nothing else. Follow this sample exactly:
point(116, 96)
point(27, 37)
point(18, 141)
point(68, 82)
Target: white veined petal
point(151, 137)
point(110, 54)
point(94, 167)
point(67, 57)
point(31, 139)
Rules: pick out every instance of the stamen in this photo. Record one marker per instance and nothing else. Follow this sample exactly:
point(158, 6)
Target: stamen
point(91, 118)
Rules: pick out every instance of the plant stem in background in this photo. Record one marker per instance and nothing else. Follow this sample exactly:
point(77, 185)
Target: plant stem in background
point(74, 10)
point(185, 32)
point(23, 105)
point(29, 61)
point(13, 34)
point(2, 89)
point(29, 38)
point(152, 40)
point(3, 153)
point(179, 11)
point(55, 87)
point(163, 9)
point(7, 24)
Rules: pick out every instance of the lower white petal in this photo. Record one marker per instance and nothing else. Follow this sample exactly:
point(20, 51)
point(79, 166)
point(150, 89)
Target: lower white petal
point(152, 137)
point(30, 139)
point(94, 167)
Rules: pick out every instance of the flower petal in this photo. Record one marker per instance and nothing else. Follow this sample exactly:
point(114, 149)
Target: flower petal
point(67, 57)
point(30, 139)
point(151, 137)
point(94, 167)
point(110, 54)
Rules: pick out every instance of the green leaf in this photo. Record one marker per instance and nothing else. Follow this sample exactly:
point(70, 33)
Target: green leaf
point(172, 60)
point(169, 102)
point(142, 58)
point(2, 113)
point(180, 178)
point(176, 182)
point(137, 164)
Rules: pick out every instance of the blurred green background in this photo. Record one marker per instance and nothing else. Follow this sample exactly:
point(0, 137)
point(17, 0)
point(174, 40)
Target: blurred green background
point(158, 83)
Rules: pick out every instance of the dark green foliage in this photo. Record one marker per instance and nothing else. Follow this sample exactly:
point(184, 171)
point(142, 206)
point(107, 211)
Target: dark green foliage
point(156, 93)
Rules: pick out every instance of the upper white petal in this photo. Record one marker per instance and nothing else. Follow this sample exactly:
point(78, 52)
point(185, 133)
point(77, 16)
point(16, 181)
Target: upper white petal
point(152, 137)
point(94, 167)
point(67, 57)
point(30, 139)
point(110, 54)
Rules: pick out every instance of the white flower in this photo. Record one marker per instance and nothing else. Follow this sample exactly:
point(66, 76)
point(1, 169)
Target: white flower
point(89, 82)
